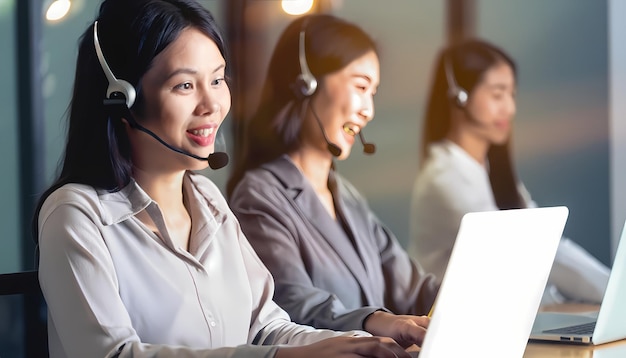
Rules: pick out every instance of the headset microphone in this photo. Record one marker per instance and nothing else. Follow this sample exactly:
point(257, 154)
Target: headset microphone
point(121, 97)
point(368, 148)
point(216, 160)
point(332, 147)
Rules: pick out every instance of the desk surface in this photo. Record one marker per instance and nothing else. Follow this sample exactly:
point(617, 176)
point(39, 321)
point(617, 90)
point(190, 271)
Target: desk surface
point(545, 350)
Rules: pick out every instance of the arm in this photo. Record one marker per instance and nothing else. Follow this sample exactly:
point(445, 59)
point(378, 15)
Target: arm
point(304, 341)
point(87, 317)
point(79, 284)
point(576, 274)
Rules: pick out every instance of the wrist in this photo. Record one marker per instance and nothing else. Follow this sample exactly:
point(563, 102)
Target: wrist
point(374, 321)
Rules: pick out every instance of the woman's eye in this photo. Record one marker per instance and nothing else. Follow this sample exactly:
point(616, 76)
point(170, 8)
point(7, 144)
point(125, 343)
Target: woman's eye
point(498, 95)
point(217, 82)
point(184, 86)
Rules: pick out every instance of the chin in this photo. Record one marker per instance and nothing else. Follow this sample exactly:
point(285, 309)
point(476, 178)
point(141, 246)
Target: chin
point(345, 153)
point(500, 140)
point(195, 164)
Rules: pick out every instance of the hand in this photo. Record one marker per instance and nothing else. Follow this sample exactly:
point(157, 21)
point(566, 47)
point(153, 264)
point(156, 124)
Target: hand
point(404, 329)
point(346, 347)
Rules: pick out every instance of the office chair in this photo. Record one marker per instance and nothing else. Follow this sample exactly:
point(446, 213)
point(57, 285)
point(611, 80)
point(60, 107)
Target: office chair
point(34, 313)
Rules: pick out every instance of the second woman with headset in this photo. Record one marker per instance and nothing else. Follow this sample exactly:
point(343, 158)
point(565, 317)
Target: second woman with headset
point(335, 264)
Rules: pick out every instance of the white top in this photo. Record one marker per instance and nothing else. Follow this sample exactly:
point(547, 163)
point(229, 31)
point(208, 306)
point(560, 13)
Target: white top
point(450, 184)
point(113, 286)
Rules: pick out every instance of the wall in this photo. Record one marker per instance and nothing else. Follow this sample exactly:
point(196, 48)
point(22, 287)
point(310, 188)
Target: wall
point(617, 124)
point(561, 133)
point(10, 259)
point(561, 138)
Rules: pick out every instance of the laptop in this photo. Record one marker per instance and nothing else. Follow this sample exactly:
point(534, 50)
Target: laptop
point(606, 325)
point(493, 284)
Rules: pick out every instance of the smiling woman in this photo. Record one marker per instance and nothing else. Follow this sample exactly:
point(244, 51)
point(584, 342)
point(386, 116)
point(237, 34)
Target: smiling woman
point(335, 264)
point(140, 255)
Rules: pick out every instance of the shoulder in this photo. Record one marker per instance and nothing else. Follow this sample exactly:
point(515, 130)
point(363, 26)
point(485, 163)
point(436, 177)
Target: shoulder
point(71, 199)
point(78, 195)
point(260, 189)
point(448, 168)
point(276, 176)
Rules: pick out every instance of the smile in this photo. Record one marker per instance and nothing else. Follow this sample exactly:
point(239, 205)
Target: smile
point(205, 132)
point(351, 129)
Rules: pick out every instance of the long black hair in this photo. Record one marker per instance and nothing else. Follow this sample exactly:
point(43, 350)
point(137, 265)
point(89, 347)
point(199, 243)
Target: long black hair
point(331, 44)
point(131, 34)
point(468, 61)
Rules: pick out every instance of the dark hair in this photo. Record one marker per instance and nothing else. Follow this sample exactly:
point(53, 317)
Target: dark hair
point(468, 61)
point(331, 44)
point(131, 34)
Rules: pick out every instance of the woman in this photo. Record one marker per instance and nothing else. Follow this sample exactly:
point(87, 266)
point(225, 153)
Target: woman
point(140, 257)
point(466, 166)
point(334, 263)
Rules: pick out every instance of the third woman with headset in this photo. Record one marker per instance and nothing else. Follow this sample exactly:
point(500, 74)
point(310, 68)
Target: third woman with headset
point(466, 166)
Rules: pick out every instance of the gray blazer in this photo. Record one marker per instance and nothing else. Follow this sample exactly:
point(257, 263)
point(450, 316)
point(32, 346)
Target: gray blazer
point(328, 273)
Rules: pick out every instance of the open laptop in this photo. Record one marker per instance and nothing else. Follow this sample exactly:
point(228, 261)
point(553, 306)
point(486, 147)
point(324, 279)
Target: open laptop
point(493, 284)
point(606, 325)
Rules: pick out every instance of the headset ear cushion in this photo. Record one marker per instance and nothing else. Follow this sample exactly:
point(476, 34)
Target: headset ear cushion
point(307, 84)
point(125, 88)
point(461, 98)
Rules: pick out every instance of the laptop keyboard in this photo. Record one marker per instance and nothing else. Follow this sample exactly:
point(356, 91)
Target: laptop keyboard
point(585, 328)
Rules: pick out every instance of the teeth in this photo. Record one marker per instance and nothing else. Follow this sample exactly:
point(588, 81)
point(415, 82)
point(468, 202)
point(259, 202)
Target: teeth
point(351, 129)
point(205, 132)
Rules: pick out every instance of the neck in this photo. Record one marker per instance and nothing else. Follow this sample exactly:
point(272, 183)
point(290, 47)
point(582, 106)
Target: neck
point(465, 138)
point(314, 165)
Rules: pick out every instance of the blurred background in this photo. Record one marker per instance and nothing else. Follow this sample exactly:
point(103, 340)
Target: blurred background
point(569, 135)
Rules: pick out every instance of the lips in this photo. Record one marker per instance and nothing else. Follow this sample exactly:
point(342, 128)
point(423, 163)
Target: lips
point(203, 136)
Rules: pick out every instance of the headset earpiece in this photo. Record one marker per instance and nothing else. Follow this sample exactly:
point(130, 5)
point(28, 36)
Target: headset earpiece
point(455, 92)
point(117, 87)
point(305, 82)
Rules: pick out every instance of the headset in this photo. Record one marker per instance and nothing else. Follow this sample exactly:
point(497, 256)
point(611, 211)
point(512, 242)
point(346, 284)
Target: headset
point(121, 93)
point(306, 83)
point(117, 87)
point(456, 92)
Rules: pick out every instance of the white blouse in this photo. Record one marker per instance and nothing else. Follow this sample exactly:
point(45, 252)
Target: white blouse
point(115, 288)
point(450, 184)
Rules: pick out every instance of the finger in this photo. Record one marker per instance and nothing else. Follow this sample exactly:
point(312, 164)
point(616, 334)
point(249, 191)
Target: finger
point(423, 321)
point(381, 347)
point(411, 334)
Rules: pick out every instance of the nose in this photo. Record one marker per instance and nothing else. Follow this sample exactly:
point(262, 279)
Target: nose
point(208, 102)
point(367, 110)
point(512, 106)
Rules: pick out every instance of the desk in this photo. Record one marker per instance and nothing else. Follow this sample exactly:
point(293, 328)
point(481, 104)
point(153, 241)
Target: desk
point(551, 350)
